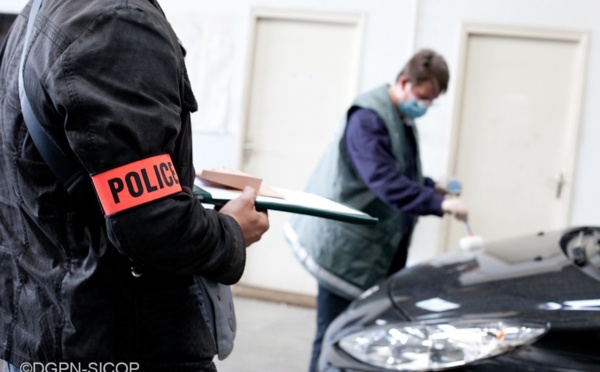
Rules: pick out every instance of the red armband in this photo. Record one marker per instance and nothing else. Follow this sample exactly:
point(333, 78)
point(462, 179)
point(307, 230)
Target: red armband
point(136, 183)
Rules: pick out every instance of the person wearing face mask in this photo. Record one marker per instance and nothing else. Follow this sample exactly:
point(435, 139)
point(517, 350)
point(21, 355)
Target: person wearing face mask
point(372, 165)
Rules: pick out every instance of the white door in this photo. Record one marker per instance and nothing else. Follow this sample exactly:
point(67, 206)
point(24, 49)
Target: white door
point(304, 73)
point(517, 115)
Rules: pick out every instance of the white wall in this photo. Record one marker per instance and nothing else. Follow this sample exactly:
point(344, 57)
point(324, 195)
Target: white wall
point(394, 29)
point(12, 6)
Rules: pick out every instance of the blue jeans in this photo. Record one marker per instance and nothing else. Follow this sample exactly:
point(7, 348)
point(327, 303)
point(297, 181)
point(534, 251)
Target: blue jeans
point(329, 306)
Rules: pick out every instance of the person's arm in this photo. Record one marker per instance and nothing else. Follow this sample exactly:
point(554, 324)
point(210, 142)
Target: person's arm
point(369, 150)
point(120, 87)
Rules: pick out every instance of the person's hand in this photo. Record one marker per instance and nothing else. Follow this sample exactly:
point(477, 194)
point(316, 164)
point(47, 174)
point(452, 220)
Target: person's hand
point(456, 208)
point(441, 188)
point(253, 223)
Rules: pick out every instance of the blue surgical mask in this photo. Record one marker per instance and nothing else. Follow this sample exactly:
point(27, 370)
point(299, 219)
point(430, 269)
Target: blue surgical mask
point(413, 108)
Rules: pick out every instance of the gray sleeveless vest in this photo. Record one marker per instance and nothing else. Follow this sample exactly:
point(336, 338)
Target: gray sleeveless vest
point(348, 258)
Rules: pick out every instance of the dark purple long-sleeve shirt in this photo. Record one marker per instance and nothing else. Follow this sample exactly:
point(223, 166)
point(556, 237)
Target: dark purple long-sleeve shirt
point(368, 145)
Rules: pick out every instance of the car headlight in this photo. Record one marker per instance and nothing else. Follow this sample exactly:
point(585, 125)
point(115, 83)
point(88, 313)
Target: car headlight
point(423, 346)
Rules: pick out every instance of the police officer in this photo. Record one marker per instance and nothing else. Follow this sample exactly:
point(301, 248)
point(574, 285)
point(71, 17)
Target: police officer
point(107, 80)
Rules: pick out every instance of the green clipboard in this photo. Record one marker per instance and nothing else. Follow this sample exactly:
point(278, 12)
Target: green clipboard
point(293, 202)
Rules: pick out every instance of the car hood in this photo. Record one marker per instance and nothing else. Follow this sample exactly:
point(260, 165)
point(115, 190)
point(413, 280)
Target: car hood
point(552, 276)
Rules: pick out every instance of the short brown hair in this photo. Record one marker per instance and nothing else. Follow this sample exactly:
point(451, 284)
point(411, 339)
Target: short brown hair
point(427, 65)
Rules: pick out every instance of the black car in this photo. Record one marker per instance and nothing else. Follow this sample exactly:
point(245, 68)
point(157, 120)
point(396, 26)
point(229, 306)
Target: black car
point(525, 304)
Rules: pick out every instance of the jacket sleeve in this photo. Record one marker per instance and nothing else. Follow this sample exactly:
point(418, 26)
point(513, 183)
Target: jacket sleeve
point(369, 150)
point(120, 88)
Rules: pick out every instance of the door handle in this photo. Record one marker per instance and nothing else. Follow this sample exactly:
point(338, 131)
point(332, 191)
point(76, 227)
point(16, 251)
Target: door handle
point(560, 183)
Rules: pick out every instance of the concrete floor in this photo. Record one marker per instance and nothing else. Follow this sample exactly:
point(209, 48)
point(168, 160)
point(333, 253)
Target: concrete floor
point(270, 337)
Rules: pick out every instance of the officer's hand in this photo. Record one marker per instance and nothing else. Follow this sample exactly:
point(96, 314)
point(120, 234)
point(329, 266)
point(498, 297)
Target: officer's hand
point(253, 223)
point(456, 208)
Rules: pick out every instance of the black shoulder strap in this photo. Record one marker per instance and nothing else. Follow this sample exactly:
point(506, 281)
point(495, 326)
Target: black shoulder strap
point(74, 179)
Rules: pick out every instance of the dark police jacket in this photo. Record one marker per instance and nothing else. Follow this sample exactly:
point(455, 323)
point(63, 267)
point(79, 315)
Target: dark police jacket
point(109, 80)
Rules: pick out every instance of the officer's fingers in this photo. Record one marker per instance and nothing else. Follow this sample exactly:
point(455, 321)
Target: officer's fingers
point(249, 192)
